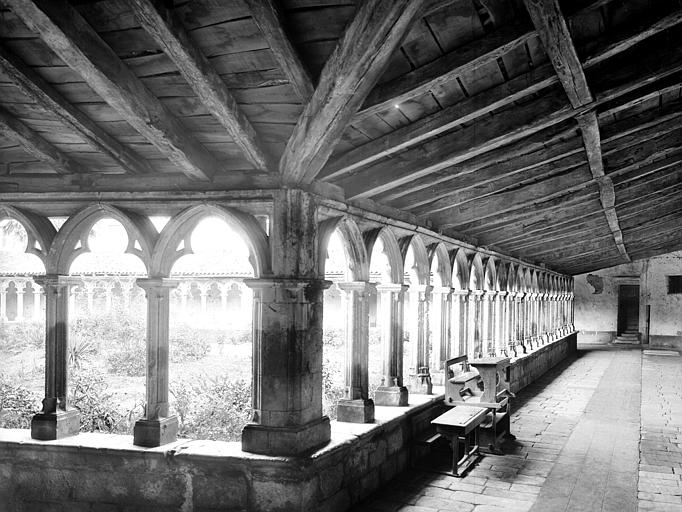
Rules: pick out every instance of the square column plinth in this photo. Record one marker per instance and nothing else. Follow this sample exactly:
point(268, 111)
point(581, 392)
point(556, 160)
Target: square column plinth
point(151, 433)
point(391, 396)
point(286, 440)
point(48, 426)
point(355, 411)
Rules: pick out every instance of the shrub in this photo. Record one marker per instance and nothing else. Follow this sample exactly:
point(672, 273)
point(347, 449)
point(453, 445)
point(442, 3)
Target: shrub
point(333, 388)
point(128, 359)
point(188, 344)
point(99, 408)
point(212, 408)
point(17, 405)
point(333, 337)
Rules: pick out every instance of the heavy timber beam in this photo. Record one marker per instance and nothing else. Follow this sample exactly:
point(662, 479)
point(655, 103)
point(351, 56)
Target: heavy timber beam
point(268, 18)
point(41, 92)
point(481, 104)
point(350, 73)
point(36, 145)
point(171, 36)
point(66, 32)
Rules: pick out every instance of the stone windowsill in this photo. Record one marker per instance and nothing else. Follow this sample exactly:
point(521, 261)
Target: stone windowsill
point(341, 435)
point(520, 357)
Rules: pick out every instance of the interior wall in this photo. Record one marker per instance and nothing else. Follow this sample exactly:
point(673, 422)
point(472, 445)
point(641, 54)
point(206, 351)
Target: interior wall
point(596, 301)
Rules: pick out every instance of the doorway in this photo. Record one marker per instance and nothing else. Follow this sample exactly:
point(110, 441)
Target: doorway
point(628, 308)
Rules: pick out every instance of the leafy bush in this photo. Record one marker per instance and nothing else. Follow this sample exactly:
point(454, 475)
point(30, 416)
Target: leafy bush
point(333, 388)
point(99, 408)
point(17, 337)
point(128, 359)
point(334, 337)
point(17, 405)
point(214, 409)
point(188, 344)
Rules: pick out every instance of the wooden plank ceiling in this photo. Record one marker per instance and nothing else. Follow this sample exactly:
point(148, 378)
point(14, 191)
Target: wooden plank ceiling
point(546, 129)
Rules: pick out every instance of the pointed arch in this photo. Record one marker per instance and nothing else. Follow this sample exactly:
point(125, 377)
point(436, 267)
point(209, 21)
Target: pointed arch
point(502, 276)
point(180, 228)
point(460, 270)
point(353, 243)
point(476, 274)
point(520, 279)
point(534, 285)
point(421, 257)
point(391, 250)
point(39, 231)
point(489, 274)
point(512, 282)
point(64, 249)
point(439, 253)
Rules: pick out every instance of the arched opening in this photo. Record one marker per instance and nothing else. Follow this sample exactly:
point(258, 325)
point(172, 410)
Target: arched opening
point(437, 335)
point(210, 331)
point(460, 304)
point(335, 323)
point(107, 328)
point(22, 327)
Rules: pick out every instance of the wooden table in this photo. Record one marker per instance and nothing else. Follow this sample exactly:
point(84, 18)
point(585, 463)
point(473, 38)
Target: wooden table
point(460, 425)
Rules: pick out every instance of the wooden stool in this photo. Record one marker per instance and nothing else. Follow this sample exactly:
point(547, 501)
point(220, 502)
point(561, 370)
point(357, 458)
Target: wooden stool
point(460, 425)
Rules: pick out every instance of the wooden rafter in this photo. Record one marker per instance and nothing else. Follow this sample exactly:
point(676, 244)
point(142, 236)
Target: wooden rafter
point(352, 70)
point(551, 26)
point(36, 145)
point(269, 20)
point(171, 36)
point(65, 31)
point(38, 90)
point(471, 109)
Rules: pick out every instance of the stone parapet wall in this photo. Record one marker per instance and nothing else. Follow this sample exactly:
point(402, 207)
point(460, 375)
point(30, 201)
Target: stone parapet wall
point(527, 368)
point(106, 472)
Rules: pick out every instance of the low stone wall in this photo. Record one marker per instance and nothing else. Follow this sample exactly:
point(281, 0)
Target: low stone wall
point(107, 473)
point(529, 367)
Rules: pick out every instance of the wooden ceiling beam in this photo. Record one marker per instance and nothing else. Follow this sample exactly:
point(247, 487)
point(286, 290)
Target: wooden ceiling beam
point(352, 70)
point(65, 31)
point(42, 93)
point(481, 104)
point(268, 17)
point(168, 32)
point(37, 146)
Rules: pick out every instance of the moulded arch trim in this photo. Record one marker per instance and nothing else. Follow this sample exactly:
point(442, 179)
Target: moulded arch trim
point(528, 280)
point(512, 282)
point(63, 249)
point(180, 228)
point(460, 270)
point(534, 281)
point(520, 279)
point(391, 250)
point(489, 274)
point(38, 229)
point(542, 282)
point(421, 256)
point(502, 276)
point(353, 244)
point(476, 274)
point(443, 269)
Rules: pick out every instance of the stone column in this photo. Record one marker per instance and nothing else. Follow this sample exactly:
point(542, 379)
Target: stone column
point(440, 321)
point(501, 317)
point(571, 311)
point(73, 290)
point(108, 293)
point(184, 289)
point(392, 392)
point(287, 321)
point(521, 321)
point(37, 297)
point(460, 300)
point(21, 288)
point(511, 323)
point(90, 291)
point(488, 331)
point(420, 376)
point(4, 286)
point(203, 296)
point(126, 292)
point(224, 288)
point(56, 420)
point(157, 427)
point(357, 407)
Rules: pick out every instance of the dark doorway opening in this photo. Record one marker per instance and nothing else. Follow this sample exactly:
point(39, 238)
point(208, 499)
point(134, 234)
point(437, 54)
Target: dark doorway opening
point(628, 309)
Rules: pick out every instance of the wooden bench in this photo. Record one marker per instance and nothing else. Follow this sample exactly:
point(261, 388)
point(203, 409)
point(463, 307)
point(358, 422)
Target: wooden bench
point(460, 426)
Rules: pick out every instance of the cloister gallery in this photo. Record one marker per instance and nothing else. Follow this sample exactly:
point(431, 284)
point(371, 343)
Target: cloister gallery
point(277, 255)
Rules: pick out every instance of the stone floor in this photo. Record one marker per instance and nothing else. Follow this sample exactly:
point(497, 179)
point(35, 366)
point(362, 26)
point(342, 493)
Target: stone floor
point(602, 432)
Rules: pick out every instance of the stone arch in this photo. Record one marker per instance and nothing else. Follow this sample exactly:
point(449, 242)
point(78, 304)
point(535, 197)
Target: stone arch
point(391, 250)
point(64, 249)
point(542, 282)
point(528, 280)
point(534, 284)
point(438, 251)
point(421, 257)
point(179, 229)
point(520, 279)
point(353, 244)
point(39, 231)
point(489, 274)
point(476, 274)
point(512, 283)
point(460, 270)
point(501, 272)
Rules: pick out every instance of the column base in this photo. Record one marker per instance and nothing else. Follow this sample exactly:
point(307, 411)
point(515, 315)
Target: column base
point(355, 411)
point(296, 440)
point(438, 378)
point(421, 384)
point(152, 433)
point(55, 425)
point(391, 396)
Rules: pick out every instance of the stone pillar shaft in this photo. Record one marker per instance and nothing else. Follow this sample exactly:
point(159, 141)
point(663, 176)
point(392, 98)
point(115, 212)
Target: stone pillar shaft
point(392, 301)
point(56, 420)
point(157, 427)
